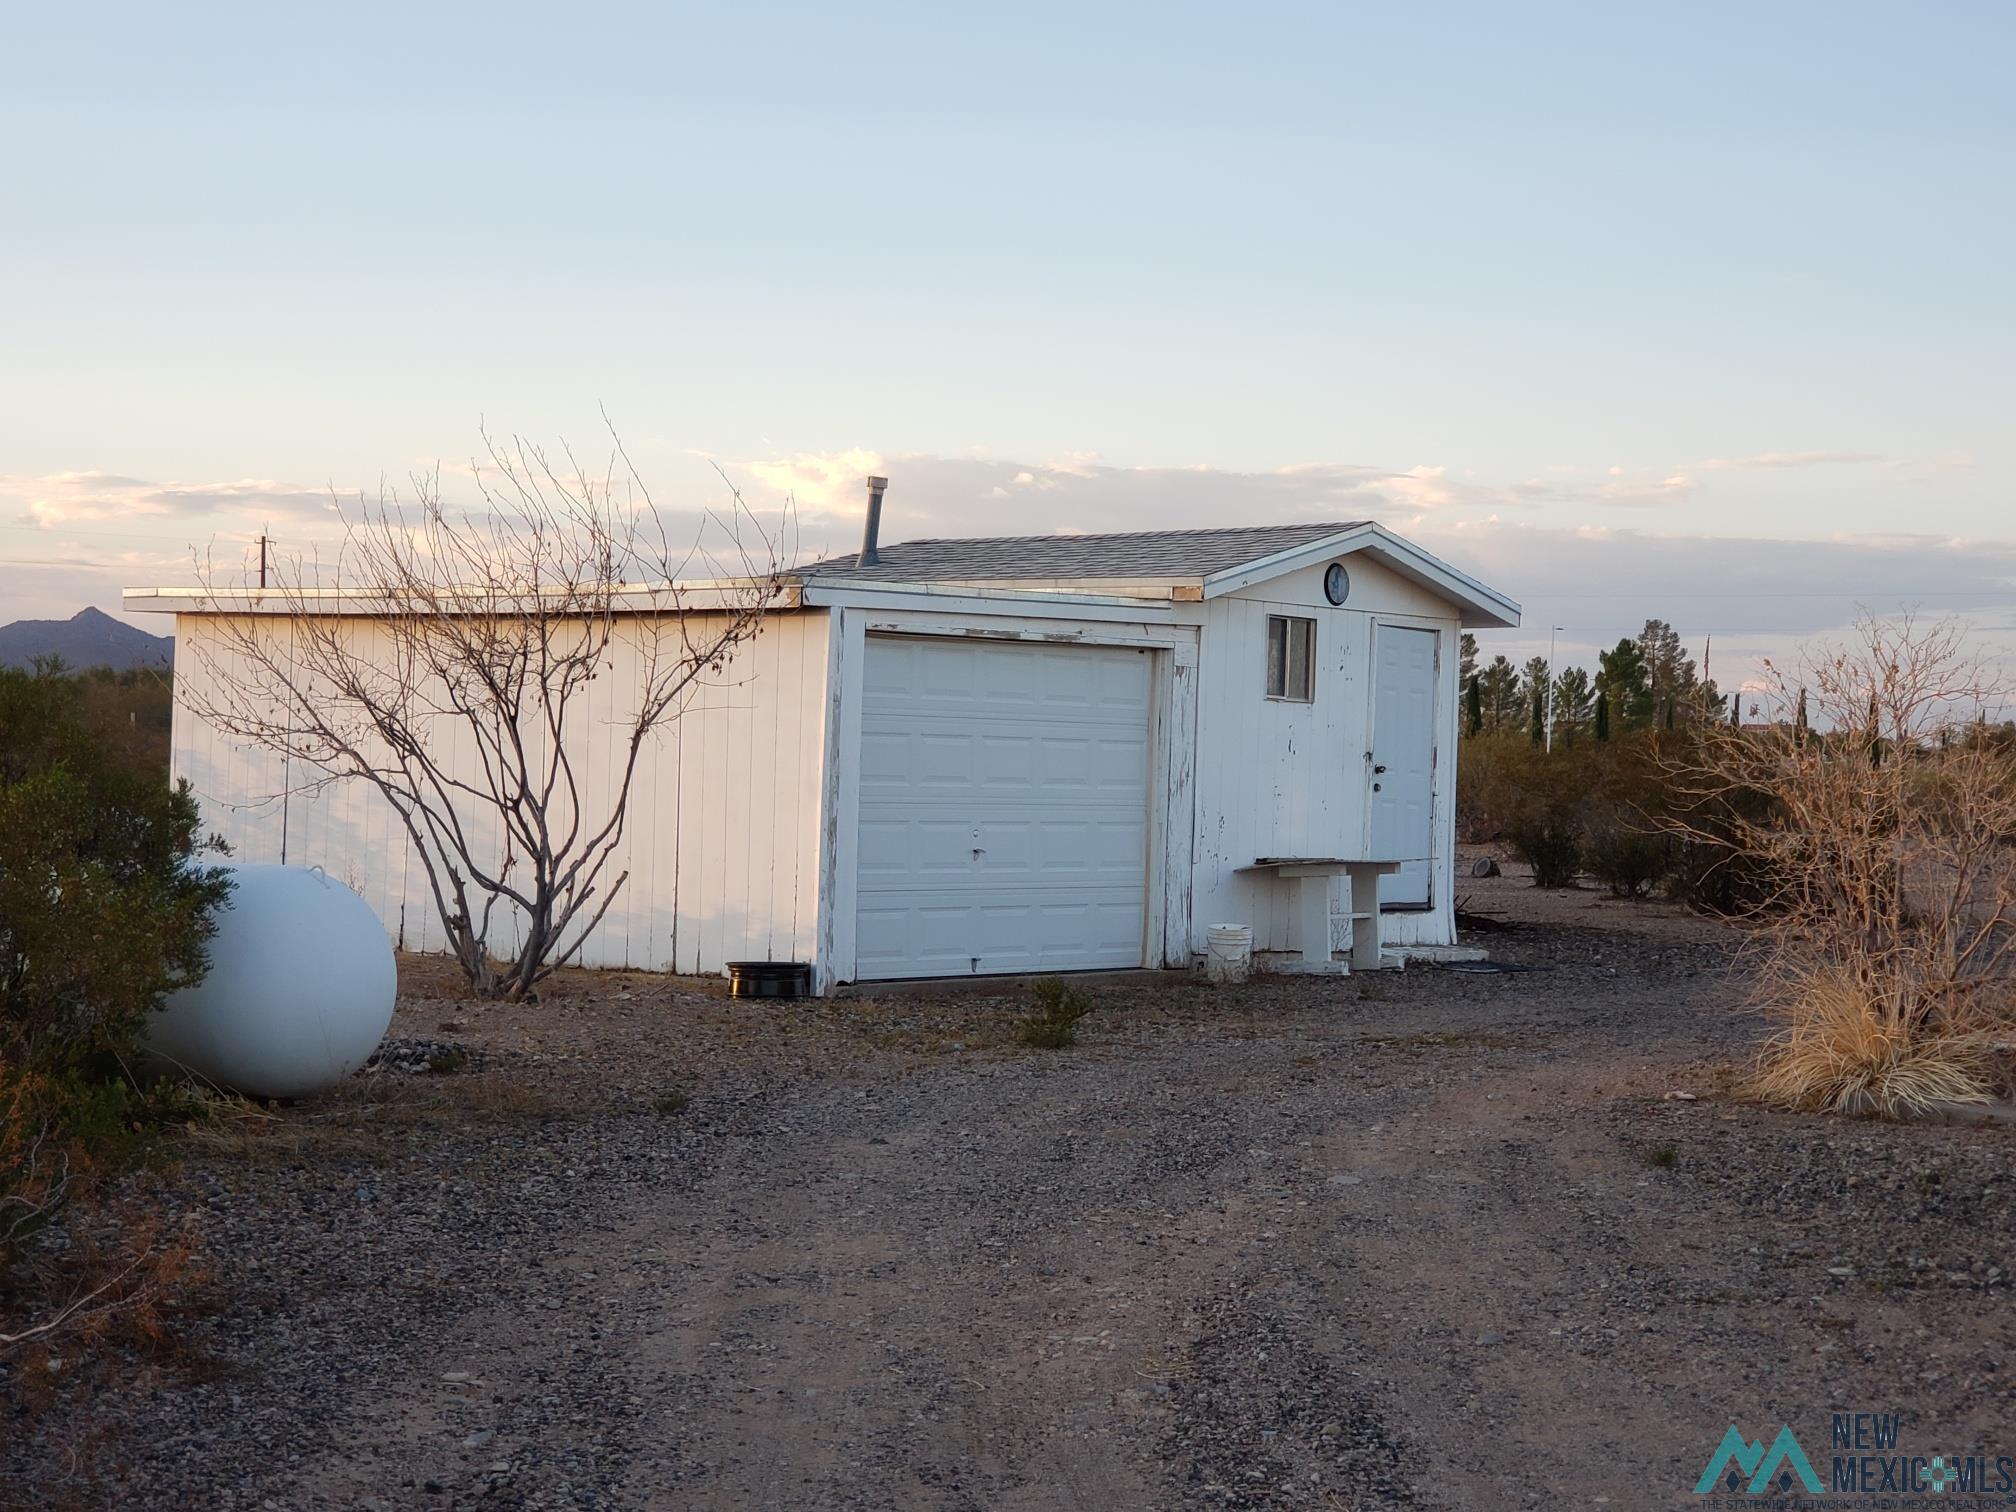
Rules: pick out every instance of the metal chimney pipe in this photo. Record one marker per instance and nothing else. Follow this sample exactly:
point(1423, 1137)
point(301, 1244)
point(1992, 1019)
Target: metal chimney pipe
point(873, 528)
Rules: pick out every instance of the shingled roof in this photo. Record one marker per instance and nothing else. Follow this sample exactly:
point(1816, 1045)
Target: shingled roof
point(1140, 554)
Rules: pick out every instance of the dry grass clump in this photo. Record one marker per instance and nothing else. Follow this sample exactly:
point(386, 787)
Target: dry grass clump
point(1844, 1049)
point(1881, 810)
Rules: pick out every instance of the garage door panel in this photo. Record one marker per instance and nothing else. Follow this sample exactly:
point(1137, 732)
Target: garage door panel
point(1120, 768)
point(1003, 848)
point(1004, 808)
point(1004, 762)
point(924, 936)
point(903, 852)
point(885, 761)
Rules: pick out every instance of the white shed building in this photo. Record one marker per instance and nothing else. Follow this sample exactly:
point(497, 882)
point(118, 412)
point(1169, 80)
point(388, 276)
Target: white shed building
point(1037, 754)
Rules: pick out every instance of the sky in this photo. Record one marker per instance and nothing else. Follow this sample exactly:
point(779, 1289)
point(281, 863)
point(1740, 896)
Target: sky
point(1700, 312)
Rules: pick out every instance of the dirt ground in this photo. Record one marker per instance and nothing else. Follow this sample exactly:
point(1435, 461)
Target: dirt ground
point(1433, 1238)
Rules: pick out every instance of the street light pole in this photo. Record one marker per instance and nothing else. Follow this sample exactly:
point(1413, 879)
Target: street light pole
point(1551, 633)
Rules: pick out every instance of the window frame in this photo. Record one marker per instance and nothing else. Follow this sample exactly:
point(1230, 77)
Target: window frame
point(1293, 627)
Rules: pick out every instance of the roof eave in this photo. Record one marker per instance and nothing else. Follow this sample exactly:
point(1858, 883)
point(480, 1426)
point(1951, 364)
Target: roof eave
point(823, 592)
point(1482, 608)
point(628, 598)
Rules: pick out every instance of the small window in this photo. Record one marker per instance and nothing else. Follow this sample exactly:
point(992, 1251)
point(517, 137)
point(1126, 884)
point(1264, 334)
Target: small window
point(1291, 658)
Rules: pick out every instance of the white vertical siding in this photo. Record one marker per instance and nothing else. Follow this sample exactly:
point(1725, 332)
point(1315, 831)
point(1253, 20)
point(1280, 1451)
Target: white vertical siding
point(722, 844)
point(1276, 778)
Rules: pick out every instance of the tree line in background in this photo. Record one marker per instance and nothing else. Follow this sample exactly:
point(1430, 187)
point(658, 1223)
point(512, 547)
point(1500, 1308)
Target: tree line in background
point(1643, 682)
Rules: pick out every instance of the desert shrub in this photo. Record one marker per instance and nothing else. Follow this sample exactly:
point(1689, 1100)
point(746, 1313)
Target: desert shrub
point(1706, 868)
point(1625, 846)
point(1885, 939)
point(1624, 854)
point(1549, 841)
point(1545, 807)
point(1059, 1007)
point(1493, 774)
point(103, 911)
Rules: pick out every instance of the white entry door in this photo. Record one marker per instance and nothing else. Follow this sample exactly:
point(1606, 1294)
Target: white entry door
point(1403, 761)
point(1004, 808)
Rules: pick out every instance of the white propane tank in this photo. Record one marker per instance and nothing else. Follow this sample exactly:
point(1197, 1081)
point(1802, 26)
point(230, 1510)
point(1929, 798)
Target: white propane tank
point(299, 991)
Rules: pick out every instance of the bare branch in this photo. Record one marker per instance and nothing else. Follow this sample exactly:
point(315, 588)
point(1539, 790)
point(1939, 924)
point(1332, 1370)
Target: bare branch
point(453, 677)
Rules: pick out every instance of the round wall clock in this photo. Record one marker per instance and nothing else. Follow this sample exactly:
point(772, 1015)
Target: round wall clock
point(1336, 583)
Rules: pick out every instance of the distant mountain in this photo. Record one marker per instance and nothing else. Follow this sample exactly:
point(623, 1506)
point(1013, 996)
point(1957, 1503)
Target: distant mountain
point(89, 638)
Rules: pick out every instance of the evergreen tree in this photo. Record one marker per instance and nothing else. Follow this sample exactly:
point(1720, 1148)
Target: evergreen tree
point(1799, 725)
point(1475, 699)
point(1574, 699)
point(1621, 674)
point(1467, 643)
point(1500, 694)
point(1670, 676)
point(1537, 729)
point(1602, 714)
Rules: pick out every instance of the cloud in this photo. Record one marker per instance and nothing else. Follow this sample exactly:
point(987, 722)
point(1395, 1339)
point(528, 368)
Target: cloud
point(1602, 579)
point(1790, 459)
point(1622, 491)
point(932, 495)
point(1617, 578)
point(54, 500)
point(1756, 597)
point(821, 481)
point(1587, 572)
point(57, 585)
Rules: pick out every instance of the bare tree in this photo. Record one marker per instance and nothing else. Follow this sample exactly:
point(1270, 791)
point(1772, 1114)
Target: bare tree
point(448, 665)
point(1885, 933)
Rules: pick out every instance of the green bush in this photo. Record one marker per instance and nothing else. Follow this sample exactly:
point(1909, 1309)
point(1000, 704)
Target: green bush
point(1621, 852)
point(1492, 772)
point(1536, 800)
point(1059, 1007)
point(1550, 843)
point(1713, 875)
point(103, 912)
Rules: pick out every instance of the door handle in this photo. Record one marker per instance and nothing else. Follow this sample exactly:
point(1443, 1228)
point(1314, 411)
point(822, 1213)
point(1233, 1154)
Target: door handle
point(1378, 769)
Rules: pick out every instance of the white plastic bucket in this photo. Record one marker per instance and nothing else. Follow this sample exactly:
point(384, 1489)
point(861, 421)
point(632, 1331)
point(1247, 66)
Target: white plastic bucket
point(1228, 955)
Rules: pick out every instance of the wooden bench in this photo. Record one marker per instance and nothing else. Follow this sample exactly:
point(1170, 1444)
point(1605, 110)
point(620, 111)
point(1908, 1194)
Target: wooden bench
point(1311, 876)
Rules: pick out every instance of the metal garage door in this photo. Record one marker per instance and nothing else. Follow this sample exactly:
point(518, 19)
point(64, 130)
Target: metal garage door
point(1004, 808)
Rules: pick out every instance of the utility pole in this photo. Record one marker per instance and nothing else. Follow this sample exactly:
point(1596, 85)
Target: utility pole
point(262, 559)
point(1552, 631)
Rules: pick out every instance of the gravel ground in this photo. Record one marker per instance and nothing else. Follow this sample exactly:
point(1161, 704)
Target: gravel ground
point(1428, 1239)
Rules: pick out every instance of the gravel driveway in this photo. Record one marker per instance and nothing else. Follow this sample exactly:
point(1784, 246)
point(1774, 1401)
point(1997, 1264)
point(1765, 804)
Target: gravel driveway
point(1428, 1239)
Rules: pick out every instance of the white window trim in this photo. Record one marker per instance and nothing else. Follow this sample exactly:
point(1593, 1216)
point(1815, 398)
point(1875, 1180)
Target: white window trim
point(1266, 671)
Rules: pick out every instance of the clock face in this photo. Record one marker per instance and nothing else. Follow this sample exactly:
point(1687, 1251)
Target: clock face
point(1336, 583)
